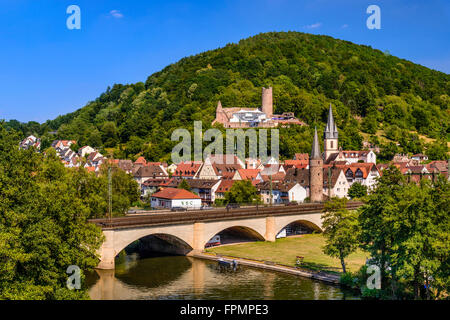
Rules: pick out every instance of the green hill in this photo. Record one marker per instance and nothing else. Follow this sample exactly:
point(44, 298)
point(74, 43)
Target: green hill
point(370, 91)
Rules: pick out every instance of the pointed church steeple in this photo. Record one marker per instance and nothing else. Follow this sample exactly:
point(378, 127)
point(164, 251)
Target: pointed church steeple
point(315, 151)
point(331, 129)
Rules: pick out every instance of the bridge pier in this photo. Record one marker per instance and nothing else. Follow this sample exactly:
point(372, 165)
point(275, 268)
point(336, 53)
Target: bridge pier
point(270, 234)
point(107, 251)
point(199, 238)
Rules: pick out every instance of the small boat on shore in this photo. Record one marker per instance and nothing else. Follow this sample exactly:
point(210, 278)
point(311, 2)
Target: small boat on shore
point(227, 265)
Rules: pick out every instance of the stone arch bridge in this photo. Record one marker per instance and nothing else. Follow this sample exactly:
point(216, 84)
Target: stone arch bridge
point(195, 228)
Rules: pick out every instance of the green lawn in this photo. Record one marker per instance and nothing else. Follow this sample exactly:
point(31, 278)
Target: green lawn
point(284, 251)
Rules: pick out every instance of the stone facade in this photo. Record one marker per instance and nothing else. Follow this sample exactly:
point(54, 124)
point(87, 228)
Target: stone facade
point(316, 171)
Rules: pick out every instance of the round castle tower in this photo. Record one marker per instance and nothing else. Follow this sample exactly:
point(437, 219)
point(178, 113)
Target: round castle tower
point(267, 102)
point(315, 171)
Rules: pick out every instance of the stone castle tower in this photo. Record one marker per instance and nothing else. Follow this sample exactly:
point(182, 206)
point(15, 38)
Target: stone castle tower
point(315, 171)
point(267, 102)
point(220, 114)
point(330, 136)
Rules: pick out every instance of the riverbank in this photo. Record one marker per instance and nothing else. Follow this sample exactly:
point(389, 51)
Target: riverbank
point(268, 265)
point(284, 251)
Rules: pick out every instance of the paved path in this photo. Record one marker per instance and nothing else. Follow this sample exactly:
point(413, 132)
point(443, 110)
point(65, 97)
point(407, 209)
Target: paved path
point(322, 276)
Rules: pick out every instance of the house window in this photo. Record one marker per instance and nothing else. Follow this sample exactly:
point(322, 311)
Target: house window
point(331, 144)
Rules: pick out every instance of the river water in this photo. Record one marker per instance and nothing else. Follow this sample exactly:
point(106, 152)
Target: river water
point(181, 277)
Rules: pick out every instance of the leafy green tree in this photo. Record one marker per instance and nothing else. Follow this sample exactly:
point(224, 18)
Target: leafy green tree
point(388, 151)
point(135, 145)
point(376, 237)
point(340, 229)
point(357, 190)
point(109, 134)
point(43, 225)
point(184, 185)
point(125, 190)
point(404, 227)
point(437, 150)
point(94, 139)
point(242, 191)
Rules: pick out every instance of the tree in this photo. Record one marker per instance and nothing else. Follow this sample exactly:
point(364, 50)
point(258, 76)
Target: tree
point(134, 145)
point(357, 190)
point(125, 190)
point(376, 237)
point(43, 225)
point(184, 185)
point(437, 150)
point(109, 134)
point(388, 151)
point(242, 191)
point(95, 139)
point(405, 228)
point(340, 229)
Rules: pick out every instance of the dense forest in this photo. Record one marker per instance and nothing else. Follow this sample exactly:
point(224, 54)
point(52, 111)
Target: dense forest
point(388, 101)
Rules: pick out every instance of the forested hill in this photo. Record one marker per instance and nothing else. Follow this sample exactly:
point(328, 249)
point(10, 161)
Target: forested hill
point(373, 93)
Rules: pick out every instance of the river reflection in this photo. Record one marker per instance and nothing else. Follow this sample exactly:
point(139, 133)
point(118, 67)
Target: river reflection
point(180, 277)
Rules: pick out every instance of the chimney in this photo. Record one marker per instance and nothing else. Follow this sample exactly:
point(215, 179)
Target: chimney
point(267, 102)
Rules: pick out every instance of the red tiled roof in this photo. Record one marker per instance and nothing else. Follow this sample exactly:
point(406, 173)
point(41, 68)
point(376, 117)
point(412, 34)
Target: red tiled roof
point(225, 185)
point(187, 169)
point(140, 160)
point(248, 174)
point(275, 177)
point(365, 168)
point(296, 163)
point(174, 193)
point(301, 156)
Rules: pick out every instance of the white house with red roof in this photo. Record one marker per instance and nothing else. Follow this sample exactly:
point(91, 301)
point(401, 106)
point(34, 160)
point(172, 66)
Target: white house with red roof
point(85, 151)
point(253, 175)
point(31, 141)
point(174, 197)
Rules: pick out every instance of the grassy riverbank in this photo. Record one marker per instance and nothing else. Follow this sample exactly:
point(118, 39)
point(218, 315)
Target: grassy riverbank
point(284, 251)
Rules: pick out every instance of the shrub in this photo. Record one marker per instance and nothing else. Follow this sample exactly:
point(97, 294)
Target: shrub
point(370, 294)
point(349, 280)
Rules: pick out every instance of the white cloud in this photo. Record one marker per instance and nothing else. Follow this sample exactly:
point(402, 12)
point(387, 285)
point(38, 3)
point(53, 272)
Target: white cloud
point(116, 14)
point(344, 26)
point(314, 26)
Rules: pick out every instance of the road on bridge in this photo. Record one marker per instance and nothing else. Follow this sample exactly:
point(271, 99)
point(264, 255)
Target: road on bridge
point(210, 215)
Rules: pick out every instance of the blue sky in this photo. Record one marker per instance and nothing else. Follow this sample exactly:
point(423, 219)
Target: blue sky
point(47, 70)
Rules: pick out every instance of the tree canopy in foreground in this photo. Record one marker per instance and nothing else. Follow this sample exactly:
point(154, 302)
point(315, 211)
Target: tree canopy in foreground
point(43, 222)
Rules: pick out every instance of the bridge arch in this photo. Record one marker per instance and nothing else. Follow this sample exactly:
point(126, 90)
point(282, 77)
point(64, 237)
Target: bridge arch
point(255, 228)
point(238, 234)
point(122, 238)
point(312, 222)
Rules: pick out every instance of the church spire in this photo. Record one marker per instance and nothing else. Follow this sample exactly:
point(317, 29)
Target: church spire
point(331, 129)
point(315, 151)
